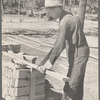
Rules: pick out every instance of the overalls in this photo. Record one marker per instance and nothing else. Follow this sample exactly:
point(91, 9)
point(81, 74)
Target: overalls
point(71, 37)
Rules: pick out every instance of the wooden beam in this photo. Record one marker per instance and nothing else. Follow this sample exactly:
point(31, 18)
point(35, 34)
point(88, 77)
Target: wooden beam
point(32, 88)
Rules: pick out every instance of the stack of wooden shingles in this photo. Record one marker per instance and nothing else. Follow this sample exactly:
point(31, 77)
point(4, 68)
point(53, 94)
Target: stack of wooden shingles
point(17, 80)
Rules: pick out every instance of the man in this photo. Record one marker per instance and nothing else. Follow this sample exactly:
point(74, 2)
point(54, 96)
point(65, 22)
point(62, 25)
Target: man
point(72, 37)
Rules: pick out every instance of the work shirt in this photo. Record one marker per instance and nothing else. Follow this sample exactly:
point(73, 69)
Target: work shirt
point(70, 35)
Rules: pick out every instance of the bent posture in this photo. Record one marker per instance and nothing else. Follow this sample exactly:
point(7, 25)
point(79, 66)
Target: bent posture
point(71, 37)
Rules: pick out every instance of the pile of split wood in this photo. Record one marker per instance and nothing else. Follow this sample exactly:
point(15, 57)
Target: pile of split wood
point(20, 79)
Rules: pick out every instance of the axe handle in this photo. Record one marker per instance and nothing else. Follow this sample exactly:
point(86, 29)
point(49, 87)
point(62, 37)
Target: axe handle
point(45, 59)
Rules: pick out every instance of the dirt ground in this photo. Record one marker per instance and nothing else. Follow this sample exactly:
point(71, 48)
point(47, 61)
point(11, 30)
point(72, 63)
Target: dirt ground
point(45, 31)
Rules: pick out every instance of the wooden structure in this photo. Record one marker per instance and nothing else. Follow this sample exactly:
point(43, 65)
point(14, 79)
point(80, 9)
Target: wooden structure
point(21, 79)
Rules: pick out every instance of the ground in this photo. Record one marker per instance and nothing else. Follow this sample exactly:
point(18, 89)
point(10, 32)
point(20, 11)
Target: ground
point(46, 32)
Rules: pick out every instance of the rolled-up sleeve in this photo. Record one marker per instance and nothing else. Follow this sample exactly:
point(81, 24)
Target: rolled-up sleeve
point(60, 42)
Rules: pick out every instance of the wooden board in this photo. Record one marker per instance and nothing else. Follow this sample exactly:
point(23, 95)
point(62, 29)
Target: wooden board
point(22, 73)
point(19, 91)
point(21, 98)
point(40, 89)
point(15, 47)
point(57, 76)
point(8, 98)
point(40, 97)
point(32, 88)
point(40, 79)
point(21, 82)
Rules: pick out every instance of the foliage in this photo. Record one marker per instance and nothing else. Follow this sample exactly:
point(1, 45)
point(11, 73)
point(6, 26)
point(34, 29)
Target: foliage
point(12, 5)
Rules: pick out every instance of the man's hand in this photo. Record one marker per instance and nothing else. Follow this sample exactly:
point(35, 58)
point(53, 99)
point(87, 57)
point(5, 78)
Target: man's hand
point(45, 67)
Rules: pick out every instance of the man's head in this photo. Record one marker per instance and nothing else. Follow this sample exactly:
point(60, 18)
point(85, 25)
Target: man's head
point(54, 12)
point(53, 8)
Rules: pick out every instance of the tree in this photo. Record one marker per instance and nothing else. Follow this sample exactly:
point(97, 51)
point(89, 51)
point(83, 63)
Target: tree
point(82, 10)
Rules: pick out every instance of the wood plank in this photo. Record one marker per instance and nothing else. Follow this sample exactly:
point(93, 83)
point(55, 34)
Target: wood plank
point(57, 75)
point(40, 89)
point(21, 98)
point(6, 71)
point(12, 55)
point(5, 81)
point(5, 48)
point(30, 59)
point(21, 82)
point(40, 79)
point(32, 88)
point(4, 93)
point(19, 91)
point(40, 97)
point(15, 47)
point(9, 83)
point(22, 73)
point(50, 73)
point(8, 97)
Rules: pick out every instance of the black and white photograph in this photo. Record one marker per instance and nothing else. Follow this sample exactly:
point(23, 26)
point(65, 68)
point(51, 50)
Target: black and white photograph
point(50, 50)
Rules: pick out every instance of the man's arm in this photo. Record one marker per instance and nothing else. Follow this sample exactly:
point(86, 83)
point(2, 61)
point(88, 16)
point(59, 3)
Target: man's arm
point(60, 42)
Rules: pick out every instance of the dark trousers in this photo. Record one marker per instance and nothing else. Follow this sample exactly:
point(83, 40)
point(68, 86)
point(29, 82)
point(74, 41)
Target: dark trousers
point(76, 72)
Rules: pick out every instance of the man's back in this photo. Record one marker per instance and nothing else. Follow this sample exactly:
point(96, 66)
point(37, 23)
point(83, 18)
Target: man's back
point(74, 32)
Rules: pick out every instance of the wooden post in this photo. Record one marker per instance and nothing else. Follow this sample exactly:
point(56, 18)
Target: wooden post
point(32, 88)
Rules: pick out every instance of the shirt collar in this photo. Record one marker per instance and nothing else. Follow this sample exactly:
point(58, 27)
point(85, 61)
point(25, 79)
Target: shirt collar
point(62, 15)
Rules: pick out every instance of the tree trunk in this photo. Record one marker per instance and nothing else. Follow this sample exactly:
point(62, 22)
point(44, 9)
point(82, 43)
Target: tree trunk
point(2, 8)
point(82, 9)
point(19, 7)
point(63, 4)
